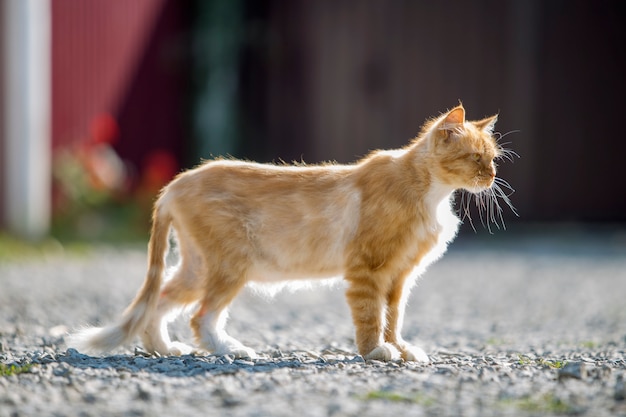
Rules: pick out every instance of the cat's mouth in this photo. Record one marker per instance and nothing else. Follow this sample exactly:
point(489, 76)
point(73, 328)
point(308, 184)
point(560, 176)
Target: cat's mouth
point(480, 185)
point(477, 189)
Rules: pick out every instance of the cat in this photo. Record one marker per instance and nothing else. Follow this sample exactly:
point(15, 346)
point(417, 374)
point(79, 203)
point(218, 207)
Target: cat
point(378, 223)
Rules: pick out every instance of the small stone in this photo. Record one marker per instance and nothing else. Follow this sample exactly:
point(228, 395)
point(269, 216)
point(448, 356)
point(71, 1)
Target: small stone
point(143, 393)
point(90, 398)
point(226, 359)
point(446, 369)
point(74, 354)
point(575, 370)
point(277, 354)
point(61, 371)
point(620, 388)
point(141, 352)
point(141, 362)
point(47, 358)
point(243, 362)
point(228, 399)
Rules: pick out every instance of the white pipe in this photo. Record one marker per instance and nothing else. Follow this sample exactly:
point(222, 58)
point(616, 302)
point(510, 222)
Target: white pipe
point(27, 156)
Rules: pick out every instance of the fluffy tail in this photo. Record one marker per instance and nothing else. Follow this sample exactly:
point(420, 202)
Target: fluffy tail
point(139, 313)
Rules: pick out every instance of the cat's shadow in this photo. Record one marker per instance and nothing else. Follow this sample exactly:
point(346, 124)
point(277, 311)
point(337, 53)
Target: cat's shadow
point(192, 365)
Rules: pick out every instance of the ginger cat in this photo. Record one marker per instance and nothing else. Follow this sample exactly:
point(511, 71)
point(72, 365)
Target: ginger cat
point(378, 223)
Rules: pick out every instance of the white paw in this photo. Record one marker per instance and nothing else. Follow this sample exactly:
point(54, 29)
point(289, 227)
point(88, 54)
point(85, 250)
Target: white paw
point(414, 354)
point(178, 349)
point(230, 346)
point(166, 347)
point(242, 352)
point(385, 352)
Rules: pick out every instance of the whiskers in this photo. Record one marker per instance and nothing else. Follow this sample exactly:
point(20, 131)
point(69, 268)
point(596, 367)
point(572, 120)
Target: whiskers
point(489, 204)
point(505, 153)
point(488, 201)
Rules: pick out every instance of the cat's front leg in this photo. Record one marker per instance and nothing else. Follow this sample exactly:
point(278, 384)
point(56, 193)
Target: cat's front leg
point(367, 303)
point(412, 353)
point(396, 303)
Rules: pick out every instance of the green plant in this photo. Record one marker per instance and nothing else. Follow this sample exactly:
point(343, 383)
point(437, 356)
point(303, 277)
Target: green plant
point(13, 369)
point(494, 341)
point(545, 404)
point(524, 360)
point(394, 396)
point(554, 364)
point(12, 248)
point(589, 344)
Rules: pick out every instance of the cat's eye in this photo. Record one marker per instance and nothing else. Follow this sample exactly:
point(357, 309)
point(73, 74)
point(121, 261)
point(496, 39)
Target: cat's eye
point(476, 157)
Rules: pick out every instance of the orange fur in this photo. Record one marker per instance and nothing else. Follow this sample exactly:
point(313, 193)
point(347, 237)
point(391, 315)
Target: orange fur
point(378, 223)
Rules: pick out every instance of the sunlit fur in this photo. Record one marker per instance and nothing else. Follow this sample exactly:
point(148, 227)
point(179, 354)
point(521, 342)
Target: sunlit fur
point(377, 223)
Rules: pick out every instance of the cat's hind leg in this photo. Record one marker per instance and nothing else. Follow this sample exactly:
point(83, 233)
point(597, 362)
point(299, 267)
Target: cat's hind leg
point(156, 338)
point(179, 292)
point(209, 321)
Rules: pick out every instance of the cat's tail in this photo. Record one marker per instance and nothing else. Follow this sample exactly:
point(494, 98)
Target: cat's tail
point(141, 310)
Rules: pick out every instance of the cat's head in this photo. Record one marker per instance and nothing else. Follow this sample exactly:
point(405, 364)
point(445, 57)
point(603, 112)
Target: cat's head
point(464, 152)
point(463, 155)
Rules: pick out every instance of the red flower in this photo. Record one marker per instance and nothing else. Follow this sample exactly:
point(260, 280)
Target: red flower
point(160, 166)
point(104, 129)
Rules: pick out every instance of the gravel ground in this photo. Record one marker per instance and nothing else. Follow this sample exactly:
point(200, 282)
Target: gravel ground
point(517, 324)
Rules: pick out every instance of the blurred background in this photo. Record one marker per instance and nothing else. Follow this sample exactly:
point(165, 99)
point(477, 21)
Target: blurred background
point(102, 102)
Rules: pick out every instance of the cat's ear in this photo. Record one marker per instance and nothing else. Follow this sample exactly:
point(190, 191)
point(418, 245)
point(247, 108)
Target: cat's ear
point(487, 124)
point(453, 119)
point(450, 122)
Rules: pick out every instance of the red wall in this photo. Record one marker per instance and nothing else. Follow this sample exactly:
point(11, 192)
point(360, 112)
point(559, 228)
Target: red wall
point(121, 59)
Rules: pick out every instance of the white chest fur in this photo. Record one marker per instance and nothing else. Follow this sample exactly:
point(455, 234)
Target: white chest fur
point(446, 225)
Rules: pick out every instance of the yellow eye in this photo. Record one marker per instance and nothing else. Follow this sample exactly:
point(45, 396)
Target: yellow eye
point(476, 157)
